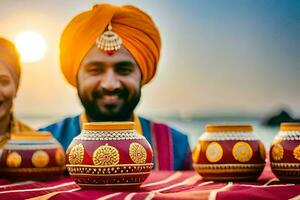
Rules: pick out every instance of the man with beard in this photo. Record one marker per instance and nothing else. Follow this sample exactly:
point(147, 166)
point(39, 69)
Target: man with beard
point(108, 53)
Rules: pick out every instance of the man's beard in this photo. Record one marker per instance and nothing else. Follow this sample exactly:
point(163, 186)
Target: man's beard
point(123, 114)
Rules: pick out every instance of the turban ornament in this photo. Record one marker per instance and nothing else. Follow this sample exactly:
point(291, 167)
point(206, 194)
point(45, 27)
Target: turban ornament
point(109, 41)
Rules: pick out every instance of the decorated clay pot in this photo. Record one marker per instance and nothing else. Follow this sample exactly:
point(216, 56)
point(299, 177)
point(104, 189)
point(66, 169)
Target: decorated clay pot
point(109, 155)
point(229, 152)
point(32, 156)
point(285, 152)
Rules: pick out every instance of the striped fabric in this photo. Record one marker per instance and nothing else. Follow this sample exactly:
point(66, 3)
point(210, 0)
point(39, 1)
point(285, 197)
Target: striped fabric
point(159, 185)
point(162, 146)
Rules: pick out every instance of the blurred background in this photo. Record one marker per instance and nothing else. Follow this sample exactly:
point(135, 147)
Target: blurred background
point(221, 62)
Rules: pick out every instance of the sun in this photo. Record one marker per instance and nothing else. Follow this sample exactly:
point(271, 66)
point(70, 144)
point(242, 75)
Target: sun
point(31, 45)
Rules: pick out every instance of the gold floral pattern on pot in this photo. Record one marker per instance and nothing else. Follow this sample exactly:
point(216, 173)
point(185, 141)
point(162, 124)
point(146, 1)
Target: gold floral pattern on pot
point(262, 151)
point(214, 152)
point(14, 159)
point(137, 153)
point(76, 154)
point(40, 158)
point(196, 152)
point(277, 152)
point(242, 151)
point(296, 152)
point(106, 155)
point(60, 157)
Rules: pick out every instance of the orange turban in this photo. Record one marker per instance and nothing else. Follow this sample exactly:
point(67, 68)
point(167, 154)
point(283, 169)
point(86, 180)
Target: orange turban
point(136, 29)
point(10, 56)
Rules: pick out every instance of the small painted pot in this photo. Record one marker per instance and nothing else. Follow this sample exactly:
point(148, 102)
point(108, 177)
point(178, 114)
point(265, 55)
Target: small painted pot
point(229, 152)
point(32, 156)
point(285, 152)
point(109, 155)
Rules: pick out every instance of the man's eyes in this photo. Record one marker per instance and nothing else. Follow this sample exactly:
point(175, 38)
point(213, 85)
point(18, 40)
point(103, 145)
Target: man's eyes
point(94, 70)
point(124, 70)
point(4, 81)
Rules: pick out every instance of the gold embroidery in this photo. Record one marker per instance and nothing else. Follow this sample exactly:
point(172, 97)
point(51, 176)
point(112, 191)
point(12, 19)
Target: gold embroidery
point(76, 154)
point(242, 151)
point(296, 152)
point(277, 152)
point(137, 153)
point(40, 158)
point(60, 157)
point(196, 153)
point(214, 152)
point(106, 155)
point(262, 151)
point(14, 160)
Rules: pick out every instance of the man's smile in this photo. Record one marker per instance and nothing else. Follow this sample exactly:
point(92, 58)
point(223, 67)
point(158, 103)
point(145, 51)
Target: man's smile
point(109, 100)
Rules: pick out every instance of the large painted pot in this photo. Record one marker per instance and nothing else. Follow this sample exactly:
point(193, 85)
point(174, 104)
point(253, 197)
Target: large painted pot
point(285, 152)
point(109, 155)
point(229, 152)
point(32, 156)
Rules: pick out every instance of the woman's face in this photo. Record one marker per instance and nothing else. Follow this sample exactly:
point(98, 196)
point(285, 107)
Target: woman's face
point(7, 90)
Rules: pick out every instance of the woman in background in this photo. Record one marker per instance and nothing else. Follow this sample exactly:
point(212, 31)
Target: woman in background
point(9, 81)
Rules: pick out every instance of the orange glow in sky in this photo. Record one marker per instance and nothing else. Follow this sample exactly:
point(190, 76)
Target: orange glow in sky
point(31, 45)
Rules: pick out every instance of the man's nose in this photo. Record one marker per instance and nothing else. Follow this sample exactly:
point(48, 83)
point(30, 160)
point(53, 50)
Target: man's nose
point(110, 81)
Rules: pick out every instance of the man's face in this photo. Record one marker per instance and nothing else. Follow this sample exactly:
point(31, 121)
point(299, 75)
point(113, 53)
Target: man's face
point(109, 86)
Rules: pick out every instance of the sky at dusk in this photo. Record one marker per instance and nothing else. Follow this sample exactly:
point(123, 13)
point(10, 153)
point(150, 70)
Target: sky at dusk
point(227, 56)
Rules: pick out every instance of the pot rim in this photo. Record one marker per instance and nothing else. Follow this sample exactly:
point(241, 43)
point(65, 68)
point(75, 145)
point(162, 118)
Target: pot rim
point(127, 125)
point(212, 128)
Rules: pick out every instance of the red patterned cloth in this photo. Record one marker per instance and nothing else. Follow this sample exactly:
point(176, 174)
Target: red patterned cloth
point(159, 185)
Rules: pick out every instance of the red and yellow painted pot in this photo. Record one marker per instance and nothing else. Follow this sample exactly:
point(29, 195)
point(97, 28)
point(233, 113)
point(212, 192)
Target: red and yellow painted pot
point(109, 155)
point(32, 156)
point(229, 152)
point(285, 152)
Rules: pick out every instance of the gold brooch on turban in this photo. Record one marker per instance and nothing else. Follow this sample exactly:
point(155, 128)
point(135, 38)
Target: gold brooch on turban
point(109, 41)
